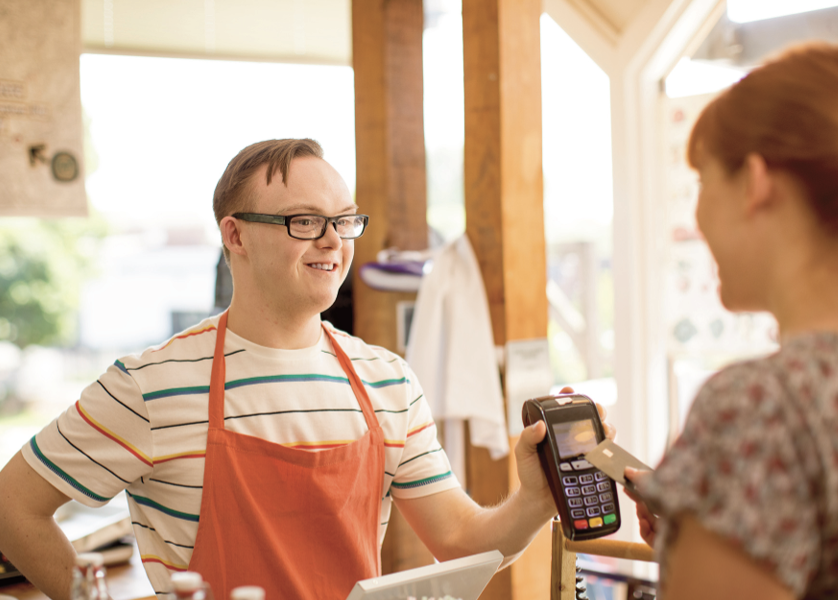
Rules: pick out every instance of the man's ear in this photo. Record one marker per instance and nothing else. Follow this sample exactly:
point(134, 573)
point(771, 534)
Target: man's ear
point(759, 183)
point(231, 235)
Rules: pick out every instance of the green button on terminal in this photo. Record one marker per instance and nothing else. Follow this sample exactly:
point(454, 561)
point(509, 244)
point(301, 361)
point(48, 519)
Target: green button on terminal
point(610, 519)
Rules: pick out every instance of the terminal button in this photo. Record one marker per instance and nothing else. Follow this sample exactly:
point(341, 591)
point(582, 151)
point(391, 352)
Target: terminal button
point(610, 519)
point(580, 524)
point(581, 465)
point(595, 522)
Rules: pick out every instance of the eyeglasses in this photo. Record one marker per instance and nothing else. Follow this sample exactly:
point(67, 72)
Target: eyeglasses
point(312, 227)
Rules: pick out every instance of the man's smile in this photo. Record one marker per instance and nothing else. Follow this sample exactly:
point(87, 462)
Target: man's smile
point(323, 266)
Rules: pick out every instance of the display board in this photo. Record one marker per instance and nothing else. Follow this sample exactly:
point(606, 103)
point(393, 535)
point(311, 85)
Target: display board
point(697, 322)
point(41, 129)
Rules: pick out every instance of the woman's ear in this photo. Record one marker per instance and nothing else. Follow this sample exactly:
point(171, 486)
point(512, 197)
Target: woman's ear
point(759, 183)
point(231, 235)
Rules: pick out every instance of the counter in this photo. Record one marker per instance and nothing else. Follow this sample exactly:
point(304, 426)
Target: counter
point(125, 582)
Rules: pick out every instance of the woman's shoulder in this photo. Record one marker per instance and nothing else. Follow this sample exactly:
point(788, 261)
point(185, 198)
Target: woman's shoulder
point(805, 368)
point(751, 386)
point(809, 363)
point(755, 460)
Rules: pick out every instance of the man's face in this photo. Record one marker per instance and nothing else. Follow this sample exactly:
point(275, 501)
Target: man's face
point(298, 276)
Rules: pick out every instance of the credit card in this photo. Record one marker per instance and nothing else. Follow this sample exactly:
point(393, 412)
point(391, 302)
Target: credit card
point(612, 460)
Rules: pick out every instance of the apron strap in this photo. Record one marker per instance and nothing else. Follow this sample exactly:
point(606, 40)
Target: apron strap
point(218, 379)
point(355, 382)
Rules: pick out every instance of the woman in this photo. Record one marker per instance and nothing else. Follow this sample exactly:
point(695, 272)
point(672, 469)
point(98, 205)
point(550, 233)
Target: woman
point(749, 493)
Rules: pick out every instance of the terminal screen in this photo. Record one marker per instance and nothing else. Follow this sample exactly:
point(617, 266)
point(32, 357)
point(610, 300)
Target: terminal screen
point(575, 437)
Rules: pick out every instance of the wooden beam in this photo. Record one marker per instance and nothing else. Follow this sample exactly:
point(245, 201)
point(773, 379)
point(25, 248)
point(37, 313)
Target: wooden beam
point(504, 197)
point(391, 188)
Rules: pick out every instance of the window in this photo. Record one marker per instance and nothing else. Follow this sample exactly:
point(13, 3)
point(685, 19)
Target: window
point(159, 134)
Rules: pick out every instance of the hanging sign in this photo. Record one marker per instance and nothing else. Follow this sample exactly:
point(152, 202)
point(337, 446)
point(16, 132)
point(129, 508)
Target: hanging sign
point(40, 109)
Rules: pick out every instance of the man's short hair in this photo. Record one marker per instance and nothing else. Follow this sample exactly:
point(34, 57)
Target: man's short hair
point(232, 192)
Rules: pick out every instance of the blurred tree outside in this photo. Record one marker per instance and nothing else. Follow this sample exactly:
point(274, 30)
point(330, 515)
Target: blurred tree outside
point(43, 263)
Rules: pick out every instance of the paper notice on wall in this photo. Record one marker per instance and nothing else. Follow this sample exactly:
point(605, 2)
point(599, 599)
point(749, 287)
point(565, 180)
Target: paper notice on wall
point(527, 375)
point(41, 134)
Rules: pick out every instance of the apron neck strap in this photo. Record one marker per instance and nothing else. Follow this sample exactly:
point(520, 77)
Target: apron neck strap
point(354, 381)
point(219, 377)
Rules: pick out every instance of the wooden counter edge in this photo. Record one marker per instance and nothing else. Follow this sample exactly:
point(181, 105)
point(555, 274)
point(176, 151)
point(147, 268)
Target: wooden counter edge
point(126, 581)
point(613, 549)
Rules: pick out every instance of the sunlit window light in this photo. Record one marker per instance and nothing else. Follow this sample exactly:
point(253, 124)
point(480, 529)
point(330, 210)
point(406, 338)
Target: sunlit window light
point(743, 11)
point(691, 78)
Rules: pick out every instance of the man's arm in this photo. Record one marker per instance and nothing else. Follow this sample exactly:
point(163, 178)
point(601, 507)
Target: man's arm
point(29, 535)
point(452, 525)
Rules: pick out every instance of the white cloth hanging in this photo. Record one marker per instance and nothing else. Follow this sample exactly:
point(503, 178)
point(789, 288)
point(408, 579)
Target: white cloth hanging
point(452, 351)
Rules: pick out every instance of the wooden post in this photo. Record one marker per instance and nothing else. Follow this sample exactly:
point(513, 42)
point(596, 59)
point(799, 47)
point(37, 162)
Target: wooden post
point(563, 572)
point(390, 155)
point(504, 199)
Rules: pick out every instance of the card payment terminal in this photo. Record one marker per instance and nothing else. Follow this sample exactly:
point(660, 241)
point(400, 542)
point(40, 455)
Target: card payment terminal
point(585, 497)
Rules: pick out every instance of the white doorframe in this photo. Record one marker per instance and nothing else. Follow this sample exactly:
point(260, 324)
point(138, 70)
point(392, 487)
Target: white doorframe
point(636, 60)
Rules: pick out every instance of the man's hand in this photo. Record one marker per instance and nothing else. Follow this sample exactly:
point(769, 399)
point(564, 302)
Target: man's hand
point(648, 521)
point(452, 525)
point(530, 474)
point(610, 430)
point(534, 486)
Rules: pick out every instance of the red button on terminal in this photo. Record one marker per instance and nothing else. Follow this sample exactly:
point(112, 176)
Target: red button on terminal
point(581, 524)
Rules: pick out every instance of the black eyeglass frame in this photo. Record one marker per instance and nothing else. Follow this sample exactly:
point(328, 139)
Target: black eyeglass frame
point(286, 221)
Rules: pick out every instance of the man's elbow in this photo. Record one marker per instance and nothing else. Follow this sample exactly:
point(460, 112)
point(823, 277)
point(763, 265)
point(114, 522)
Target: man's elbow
point(25, 495)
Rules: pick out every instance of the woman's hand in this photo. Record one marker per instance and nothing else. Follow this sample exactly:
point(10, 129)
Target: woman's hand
point(648, 521)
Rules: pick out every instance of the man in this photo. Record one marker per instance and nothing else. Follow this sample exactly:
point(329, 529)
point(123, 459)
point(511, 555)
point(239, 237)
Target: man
point(262, 446)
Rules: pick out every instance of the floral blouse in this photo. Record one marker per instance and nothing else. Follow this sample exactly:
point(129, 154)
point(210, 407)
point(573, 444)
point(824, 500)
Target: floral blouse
point(757, 463)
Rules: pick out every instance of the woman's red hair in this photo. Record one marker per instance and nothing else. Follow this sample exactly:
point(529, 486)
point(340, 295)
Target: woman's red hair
point(787, 112)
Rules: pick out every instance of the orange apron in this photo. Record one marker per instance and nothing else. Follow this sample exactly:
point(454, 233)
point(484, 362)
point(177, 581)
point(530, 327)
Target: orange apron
point(301, 524)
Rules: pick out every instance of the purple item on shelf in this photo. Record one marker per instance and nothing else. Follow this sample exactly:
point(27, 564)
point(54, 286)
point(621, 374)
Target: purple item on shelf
point(394, 276)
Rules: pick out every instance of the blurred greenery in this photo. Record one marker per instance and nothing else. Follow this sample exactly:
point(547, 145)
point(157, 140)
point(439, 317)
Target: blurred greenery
point(43, 263)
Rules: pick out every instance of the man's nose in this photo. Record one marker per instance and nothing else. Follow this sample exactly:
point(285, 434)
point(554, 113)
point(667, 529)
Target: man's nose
point(331, 239)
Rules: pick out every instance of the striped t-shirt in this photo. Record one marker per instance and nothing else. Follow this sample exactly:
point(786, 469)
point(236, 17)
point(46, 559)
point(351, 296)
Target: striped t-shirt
point(143, 425)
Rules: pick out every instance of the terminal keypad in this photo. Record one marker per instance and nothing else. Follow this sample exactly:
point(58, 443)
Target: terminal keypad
point(589, 494)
